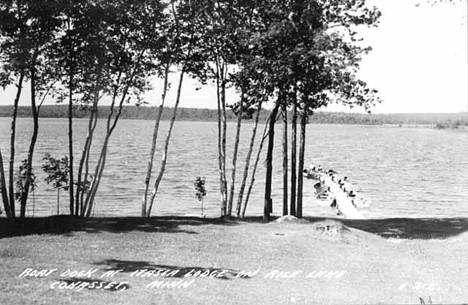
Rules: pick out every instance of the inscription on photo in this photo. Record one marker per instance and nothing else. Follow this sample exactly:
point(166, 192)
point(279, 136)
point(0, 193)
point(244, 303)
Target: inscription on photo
point(418, 286)
point(166, 278)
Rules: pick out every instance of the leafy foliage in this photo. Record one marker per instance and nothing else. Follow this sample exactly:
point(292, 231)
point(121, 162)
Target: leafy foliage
point(200, 188)
point(20, 179)
point(57, 170)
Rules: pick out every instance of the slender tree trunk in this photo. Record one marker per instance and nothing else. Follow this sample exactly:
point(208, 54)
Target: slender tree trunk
point(35, 114)
point(268, 204)
point(89, 203)
point(85, 193)
point(247, 160)
point(293, 158)
point(301, 165)
point(153, 143)
point(71, 65)
point(81, 181)
point(224, 121)
point(257, 159)
point(3, 188)
point(221, 136)
point(166, 144)
point(11, 173)
point(234, 157)
point(285, 159)
point(58, 201)
point(81, 187)
point(70, 144)
point(220, 151)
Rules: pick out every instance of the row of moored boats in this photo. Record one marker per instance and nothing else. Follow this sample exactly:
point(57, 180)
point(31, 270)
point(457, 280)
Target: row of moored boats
point(335, 191)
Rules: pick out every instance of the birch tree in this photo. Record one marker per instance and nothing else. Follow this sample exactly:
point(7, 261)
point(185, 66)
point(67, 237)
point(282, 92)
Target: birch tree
point(180, 52)
point(27, 29)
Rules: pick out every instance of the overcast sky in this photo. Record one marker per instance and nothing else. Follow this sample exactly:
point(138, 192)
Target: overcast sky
point(419, 61)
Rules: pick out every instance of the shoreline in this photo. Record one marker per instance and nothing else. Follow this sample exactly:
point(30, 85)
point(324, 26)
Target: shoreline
point(212, 261)
point(399, 228)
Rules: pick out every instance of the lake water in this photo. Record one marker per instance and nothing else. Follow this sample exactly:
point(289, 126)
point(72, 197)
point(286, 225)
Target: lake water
point(406, 172)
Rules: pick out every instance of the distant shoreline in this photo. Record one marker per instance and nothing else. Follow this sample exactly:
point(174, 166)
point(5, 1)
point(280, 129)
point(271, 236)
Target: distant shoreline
point(414, 120)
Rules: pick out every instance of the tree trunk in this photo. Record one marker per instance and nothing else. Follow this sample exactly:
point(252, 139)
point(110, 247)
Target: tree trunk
point(166, 144)
point(89, 203)
point(247, 160)
point(58, 201)
point(87, 154)
point(224, 121)
point(301, 165)
point(153, 143)
point(221, 136)
point(35, 114)
point(11, 173)
point(252, 180)
point(81, 182)
point(285, 159)
point(293, 158)
point(3, 188)
point(268, 204)
point(71, 65)
point(70, 144)
point(234, 157)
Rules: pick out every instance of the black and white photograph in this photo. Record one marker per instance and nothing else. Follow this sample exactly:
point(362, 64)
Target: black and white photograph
point(276, 152)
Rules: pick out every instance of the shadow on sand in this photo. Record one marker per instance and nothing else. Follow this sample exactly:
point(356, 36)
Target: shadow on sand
point(67, 224)
point(408, 228)
point(411, 228)
point(148, 269)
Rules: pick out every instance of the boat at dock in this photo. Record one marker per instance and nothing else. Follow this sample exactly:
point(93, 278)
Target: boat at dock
point(323, 195)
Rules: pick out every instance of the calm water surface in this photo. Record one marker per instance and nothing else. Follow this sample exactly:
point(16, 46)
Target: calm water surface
point(406, 172)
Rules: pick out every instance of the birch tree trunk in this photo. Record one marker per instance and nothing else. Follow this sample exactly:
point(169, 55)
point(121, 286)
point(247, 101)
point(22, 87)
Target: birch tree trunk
point(234, 157)
point(153, 143)
point(166, 144)
point(247, 160)
point(89, 203)
point(11, 188)
point(220, 84)
point(81, 183)
point(252, 180)
point(35, 114)
point(223, 140)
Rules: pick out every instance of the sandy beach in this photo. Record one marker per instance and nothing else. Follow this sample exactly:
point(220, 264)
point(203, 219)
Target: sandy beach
point(59, 260)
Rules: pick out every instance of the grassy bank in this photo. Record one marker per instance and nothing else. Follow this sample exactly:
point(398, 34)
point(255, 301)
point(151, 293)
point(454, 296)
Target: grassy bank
point(212, 261)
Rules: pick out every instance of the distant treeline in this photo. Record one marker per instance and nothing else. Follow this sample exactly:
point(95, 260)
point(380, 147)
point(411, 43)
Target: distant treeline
point(439, 120)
